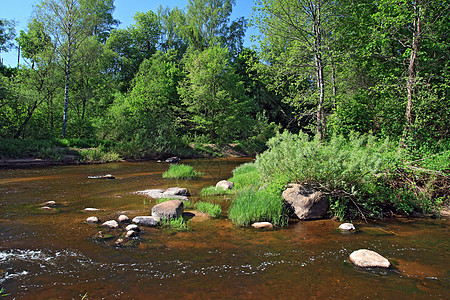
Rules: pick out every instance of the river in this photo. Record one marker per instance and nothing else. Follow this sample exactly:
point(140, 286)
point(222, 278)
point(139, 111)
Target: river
point(54, 254)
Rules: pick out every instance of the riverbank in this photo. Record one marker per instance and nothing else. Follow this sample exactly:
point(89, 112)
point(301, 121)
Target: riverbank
point(17, 153)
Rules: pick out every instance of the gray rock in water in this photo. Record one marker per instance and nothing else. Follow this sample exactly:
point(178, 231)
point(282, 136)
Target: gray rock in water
point(93, 220)
point(131, 233)
point(305, 202)
point(158, 194)
point(224, 185)
point(146, 220)
point(173, 159)
point(133, 227)
point(176, 191)
point(123, 219)
point(107, 176)
point(368, 259)
point(91, 209)
point(49, 203)
point(262, 225)
point(111, 224)
point(170, 209)
point(347, 226)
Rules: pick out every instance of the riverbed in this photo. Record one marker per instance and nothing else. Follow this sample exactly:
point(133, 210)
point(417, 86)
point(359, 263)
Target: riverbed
point(54, 254)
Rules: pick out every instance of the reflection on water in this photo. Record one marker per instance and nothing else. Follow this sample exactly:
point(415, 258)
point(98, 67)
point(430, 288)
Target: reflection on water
point(54, 254)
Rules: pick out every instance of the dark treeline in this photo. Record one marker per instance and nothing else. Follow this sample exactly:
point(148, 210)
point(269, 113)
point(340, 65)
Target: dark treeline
point(178, 76)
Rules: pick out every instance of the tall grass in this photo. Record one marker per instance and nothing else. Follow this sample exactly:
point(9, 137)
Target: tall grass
point(212, 209)
point(256, 201)
point(181, 171)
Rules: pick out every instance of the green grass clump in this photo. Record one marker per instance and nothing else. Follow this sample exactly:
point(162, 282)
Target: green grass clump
point(245, 176)
point(181, 171)
point(212, 191)
point(212, 209)
point(178, 224)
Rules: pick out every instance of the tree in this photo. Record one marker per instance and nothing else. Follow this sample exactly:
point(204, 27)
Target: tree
point(129, 47)
point(213, 95)
point(69, 23)
point(7, 34)
point(295, 35)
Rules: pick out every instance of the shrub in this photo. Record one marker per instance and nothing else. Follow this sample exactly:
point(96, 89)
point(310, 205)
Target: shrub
point(212, 209)
point(181, 171)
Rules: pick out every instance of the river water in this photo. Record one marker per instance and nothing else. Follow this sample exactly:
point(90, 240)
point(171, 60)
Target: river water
point(53, 254)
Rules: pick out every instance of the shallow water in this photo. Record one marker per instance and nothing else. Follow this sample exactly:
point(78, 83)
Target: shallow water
point(55, 255)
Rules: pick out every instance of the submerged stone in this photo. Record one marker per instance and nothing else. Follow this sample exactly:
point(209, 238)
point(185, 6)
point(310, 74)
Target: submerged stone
point(131, 233)
point(262, 225)
point(176, 191)
point(146, 220)
point(111, 224)
point(92, 220)
point(91, 209)
point(368, 259)
point(123, 219)
point(133, 227)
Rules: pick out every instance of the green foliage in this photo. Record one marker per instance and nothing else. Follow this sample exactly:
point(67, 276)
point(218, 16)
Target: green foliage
point(99, 155)
point(259, 205)
point(244, 176)
point(181, 171)
point(214, 96)
point(212, 191)
point(2, 292)
point(178, 224)
point(212, 209)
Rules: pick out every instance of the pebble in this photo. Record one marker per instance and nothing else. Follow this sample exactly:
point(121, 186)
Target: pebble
point(133, 227)
point(347, 226)
point(131, 233)
point(92, 220)
point(123, 219)
point(111, 224)
point(262, 225)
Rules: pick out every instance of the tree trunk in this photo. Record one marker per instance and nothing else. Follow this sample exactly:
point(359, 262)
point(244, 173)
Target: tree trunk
point(319, 71)
point(413, 60)
point(66, 98)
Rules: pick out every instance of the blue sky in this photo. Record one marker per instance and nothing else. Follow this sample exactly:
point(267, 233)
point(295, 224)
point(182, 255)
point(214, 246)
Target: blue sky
point(20, 10)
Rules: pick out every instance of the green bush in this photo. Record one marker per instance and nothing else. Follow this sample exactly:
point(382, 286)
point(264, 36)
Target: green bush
point(181, 171)
point(212, 209)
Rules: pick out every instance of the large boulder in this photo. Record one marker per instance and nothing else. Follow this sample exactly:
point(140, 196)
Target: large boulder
point(144, 221)
point(224, 185)
point(368, 259)
point(305, 202)
point(170, 209)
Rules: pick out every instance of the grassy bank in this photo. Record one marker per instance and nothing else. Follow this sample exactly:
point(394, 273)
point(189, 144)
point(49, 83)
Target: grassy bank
point(361, 176)
point(91, 150)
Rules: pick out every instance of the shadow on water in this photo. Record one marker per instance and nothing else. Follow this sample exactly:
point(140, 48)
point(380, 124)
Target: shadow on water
point(53, 253)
